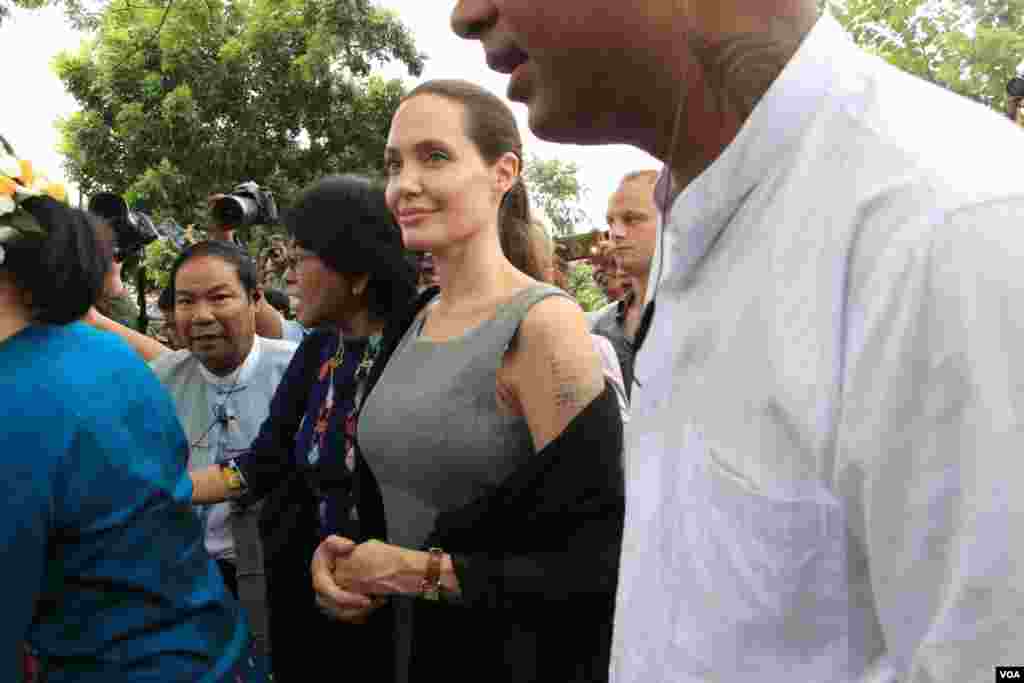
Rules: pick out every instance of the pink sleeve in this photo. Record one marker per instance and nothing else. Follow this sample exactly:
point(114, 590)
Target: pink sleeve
point(610, 363)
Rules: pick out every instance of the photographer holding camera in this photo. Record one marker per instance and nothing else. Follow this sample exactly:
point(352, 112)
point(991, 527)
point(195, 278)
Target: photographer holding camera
point(130, 231)
point(247, 205)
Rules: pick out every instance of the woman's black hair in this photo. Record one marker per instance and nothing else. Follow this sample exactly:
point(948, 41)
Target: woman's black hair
point(279, 300)
point(63, 273)
point(166, 301)
point(230, 253)
point(346, 222)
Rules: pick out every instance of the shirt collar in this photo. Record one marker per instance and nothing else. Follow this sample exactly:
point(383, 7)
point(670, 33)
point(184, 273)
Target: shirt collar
point(622, 306)
point(769, 136)
point(241, 374)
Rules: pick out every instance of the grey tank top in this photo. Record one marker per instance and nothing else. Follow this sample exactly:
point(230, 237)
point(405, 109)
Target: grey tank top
point(431, 429)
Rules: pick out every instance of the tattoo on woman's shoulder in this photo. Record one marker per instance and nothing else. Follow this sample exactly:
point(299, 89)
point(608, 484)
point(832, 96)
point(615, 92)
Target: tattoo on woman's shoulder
point(567, 394)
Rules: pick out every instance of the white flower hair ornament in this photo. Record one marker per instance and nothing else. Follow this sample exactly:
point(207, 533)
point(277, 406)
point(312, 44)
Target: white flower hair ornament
point(18, 182)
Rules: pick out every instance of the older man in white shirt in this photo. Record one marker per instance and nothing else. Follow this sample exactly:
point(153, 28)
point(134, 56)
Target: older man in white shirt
point(821, 466)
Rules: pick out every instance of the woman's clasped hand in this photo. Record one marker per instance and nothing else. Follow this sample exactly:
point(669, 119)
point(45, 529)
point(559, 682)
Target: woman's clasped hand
point(352, 580)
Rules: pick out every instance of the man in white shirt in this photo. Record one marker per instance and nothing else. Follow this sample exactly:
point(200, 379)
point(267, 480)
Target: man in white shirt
point(820, 472)
point(222, 385)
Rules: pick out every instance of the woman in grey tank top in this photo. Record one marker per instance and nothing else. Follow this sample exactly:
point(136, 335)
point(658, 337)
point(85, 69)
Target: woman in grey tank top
point(504, 503)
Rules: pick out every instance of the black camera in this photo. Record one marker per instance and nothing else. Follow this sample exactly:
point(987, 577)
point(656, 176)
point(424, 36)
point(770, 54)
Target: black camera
point(247, 204)
point(1015, 87)
point(170, 230)
point(132, 229)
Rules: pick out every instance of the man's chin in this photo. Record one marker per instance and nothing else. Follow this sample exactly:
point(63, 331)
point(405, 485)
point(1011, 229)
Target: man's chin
point(639, 269)
point(543, 116)
point(214, 363)
point(308, 319)
point(553, 125)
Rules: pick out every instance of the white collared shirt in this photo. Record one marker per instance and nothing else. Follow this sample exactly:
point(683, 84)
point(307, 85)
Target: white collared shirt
point(242, 396)
point(822, 464)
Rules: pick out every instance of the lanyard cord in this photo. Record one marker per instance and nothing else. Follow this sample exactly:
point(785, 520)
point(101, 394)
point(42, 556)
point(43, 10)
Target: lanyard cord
point(218, 410)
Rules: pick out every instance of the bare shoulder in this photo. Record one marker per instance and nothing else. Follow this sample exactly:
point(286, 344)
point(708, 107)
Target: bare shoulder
point(553, 314)
point(558, 371)
point(556, 326)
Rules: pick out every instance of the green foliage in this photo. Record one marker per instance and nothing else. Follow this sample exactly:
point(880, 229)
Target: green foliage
point(184, 98)
point(971, 47)
point(157, 259)
point(583, 288)
point(553, 186)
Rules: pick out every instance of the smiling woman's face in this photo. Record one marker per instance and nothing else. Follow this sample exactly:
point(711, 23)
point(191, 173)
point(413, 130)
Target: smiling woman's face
point(440, 189)
point(214, 316)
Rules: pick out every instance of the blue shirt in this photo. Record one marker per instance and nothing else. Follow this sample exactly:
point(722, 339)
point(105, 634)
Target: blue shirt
point(105, 571)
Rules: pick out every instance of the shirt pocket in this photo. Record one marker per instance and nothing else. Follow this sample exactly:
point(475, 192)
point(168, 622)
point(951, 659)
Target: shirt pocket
point(768, 575)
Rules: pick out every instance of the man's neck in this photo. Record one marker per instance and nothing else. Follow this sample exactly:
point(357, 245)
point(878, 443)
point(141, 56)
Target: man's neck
point(730, 73)
point(639, 282)
point(236, 369)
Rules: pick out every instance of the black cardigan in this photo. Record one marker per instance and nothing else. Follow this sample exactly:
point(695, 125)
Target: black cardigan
point(537, 559)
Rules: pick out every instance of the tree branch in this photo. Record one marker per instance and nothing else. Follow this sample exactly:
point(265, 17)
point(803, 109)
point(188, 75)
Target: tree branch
point(149, 42)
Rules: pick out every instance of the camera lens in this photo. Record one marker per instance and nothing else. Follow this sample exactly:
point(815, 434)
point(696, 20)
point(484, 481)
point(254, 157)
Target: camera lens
point(109, 207)
point(234, 210)
point(1015, 88)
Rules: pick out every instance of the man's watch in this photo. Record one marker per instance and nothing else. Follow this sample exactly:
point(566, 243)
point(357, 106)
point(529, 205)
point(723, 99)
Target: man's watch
point(232, 476)
point(430, 587)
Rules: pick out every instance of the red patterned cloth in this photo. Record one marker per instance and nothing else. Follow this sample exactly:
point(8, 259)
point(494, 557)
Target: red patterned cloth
point(29, 666)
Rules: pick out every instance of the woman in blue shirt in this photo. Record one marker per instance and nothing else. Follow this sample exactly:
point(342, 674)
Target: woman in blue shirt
point(105, 572)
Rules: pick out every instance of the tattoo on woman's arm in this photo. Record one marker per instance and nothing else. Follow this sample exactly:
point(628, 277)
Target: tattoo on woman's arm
point(566, 384)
